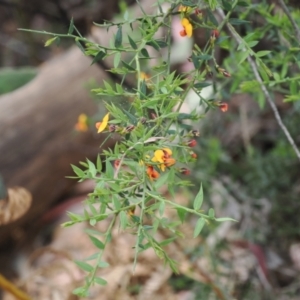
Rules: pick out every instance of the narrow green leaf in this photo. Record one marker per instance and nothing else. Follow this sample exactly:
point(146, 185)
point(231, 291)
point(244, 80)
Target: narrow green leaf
point(234, 21)
point(252, 44)
point(123, 219)
point(84, 266)
point(109, 169)
point(181, 214)
point(99, 56)
point(204, 57)
point(71, 27)
point(78, 171)
point(93, 222)
point(211, 213)
point(199, 226)
point(92, 168)
point(132, 43)
point(244, 56)
point(127, 66)
point(145, 53)
point(119, 37)
point(99, 164)
point(143, 90)
point(212, 18)
point(199, 199)
point(200, 85)
point(103, 264)
point(80, 291)
point(100, 281)
point(161, 208)
point(117, 59)
point(97, 242)
point(79, 45)
point(225, 219)
point(50, 41)
point(167, 241)
point(263, 53)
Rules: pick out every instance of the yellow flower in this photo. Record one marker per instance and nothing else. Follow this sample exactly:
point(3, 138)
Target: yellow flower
point(163, 157)
point(144, 76)
point(187, 28)
point(103, 124)
point(183, 8)
point(81, 124)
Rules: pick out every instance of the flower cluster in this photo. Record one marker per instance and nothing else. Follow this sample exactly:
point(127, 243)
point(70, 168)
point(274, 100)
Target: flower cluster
point(164, 158)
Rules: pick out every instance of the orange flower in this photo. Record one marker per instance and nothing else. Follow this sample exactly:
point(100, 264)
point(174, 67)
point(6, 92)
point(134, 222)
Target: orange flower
point(101, 126)
point(81, 124)
point(152, 173)
point(187, 28)
point(194, 155)
point(163, 157)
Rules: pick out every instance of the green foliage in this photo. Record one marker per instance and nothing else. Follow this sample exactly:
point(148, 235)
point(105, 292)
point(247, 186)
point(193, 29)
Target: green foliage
point(11, 79)
point(155, 142)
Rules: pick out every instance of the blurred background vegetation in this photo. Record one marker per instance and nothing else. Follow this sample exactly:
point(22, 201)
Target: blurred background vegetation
point(248, 169)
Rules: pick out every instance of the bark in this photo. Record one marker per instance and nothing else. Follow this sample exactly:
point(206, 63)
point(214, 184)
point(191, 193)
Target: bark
point(38, 142)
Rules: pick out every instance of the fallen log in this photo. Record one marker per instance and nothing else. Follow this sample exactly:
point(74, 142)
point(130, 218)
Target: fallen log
point(38, 142)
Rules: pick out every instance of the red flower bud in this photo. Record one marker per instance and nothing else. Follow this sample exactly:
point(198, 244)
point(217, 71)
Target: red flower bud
point(223, 106)
point(193, 155)
point(185, 171)
point(143, 120)
point(215, 33)
point(112, 128)
point(192, 143)
point(198, 11)
point(117, 163)
point(129, 128)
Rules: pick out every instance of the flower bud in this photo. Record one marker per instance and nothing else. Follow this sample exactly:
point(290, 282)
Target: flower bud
point(143, 120)
point(223, 106)
point(195, 133)
point(129, 128)
point(185, 171)
point(194, 155)
point(215, 33)
point(112, 128)
point(192, 143)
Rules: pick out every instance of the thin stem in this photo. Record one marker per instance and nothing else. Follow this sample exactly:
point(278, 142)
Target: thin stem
point(107, 239)
point(253, 65)
point(288, 14)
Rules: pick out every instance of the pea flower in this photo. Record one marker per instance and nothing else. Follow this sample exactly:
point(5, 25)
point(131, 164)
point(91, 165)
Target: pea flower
point(152, 173)
point(187, 28)
point(101, 126)
point(82, 124)
point(163, 157)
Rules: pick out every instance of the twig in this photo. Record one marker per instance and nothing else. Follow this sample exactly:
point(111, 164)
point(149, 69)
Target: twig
point(12, 289)
point(288, 14)
point(263, 87)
